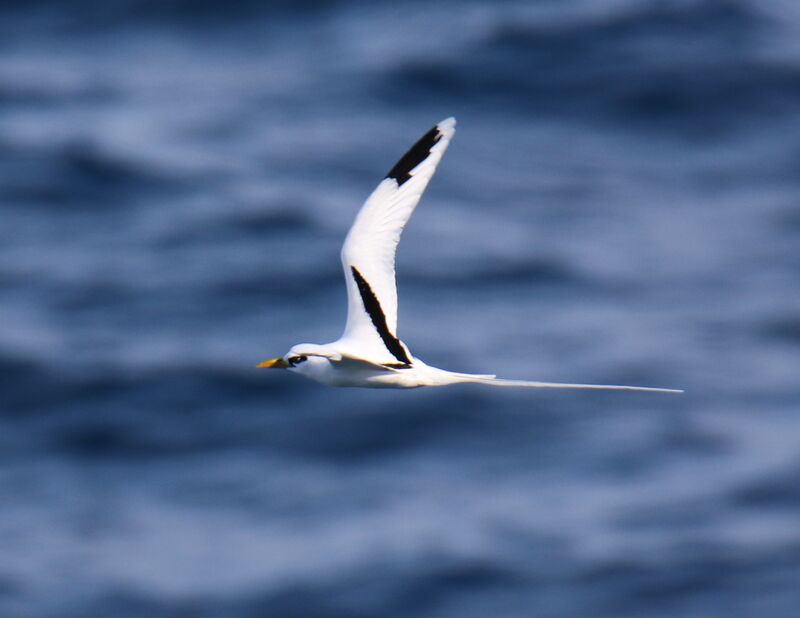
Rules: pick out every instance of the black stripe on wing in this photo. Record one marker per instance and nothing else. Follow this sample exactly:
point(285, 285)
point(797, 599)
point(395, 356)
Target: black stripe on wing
point(416, 155)
point(378, 318)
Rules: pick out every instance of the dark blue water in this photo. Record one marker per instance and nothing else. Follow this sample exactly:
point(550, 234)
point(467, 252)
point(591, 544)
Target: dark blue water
point(621, 204)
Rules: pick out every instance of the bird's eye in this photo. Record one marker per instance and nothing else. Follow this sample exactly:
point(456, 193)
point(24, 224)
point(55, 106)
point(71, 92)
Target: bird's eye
point(294, 360)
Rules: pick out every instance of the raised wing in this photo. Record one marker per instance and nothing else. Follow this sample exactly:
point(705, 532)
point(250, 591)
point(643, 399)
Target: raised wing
point(369, 250)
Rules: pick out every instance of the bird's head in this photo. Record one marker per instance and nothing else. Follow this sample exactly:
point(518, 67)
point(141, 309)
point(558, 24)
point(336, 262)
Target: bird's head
point(299, 358)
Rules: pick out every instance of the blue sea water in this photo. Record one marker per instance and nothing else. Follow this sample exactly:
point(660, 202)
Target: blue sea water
point(621, 203)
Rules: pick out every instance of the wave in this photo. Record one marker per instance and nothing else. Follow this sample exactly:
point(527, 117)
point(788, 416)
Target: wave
point(692, 64)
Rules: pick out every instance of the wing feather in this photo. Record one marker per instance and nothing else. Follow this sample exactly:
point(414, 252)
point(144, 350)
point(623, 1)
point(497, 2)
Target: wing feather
point(371, 244)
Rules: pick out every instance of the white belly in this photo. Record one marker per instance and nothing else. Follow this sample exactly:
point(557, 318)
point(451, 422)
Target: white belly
point(364, 375)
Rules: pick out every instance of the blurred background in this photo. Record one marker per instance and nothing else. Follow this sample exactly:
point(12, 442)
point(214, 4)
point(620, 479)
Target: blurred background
point(620, 204)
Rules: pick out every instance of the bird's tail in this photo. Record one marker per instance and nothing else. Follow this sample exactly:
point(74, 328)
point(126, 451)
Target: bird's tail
point(495, 381)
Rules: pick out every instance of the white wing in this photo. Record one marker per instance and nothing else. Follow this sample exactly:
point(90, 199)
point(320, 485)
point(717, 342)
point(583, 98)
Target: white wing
point(369, 250)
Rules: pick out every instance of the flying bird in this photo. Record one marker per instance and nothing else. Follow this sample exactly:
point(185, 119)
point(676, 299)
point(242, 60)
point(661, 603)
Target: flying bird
point(369, 353)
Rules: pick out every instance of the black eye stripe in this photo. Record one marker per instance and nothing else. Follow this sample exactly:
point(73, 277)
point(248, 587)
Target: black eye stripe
point(294, 360)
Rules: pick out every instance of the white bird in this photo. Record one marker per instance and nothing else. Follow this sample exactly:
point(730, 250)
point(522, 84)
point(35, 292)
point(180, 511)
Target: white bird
point(369, 353)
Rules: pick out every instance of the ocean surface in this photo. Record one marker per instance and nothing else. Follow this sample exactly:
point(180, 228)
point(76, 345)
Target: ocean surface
point(620, 204)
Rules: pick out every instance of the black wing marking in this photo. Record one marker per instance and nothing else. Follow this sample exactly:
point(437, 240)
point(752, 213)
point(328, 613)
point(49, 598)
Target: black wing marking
point(416, 155)
point(396, 365)
point(351, 362)
point(378, 318)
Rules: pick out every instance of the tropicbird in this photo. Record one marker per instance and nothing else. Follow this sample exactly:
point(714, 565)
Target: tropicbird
point(369, 353)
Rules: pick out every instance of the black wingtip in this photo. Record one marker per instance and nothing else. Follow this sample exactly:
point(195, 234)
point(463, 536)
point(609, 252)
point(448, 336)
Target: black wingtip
point(416, 155)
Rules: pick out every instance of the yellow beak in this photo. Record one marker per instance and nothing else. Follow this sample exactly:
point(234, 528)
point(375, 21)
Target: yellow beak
point(273, 363)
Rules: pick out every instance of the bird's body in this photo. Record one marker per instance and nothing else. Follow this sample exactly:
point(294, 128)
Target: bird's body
point(369, 353)
point(351, 372)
